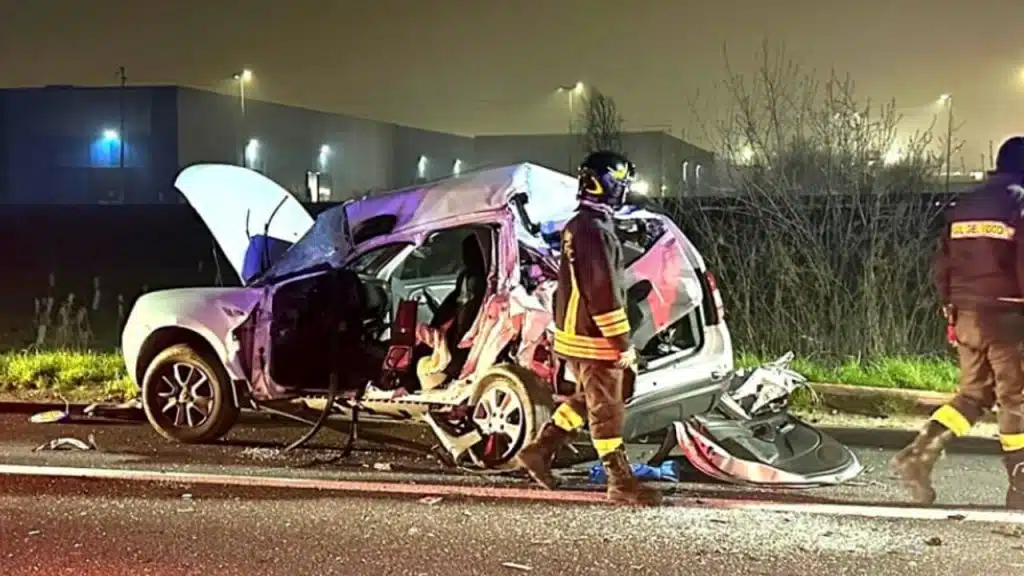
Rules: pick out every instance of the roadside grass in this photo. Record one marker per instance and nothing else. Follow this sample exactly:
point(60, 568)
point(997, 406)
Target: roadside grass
point(930, 373)
point(72, 374)
point(96, 376)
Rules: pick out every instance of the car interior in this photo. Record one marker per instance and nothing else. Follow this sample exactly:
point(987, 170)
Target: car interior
point(323, 318)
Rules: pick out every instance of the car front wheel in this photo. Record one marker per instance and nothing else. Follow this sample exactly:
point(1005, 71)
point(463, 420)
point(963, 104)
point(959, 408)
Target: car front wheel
point(187, 396)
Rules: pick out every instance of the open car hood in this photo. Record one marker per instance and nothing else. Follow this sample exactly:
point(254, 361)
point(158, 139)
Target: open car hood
point(253, 219)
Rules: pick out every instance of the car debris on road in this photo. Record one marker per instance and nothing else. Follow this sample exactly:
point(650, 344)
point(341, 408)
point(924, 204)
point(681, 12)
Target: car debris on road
point(68, 443)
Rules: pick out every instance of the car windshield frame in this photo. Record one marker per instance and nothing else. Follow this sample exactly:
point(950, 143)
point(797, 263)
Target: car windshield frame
point(376, 260)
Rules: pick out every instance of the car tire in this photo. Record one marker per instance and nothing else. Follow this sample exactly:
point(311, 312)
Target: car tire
point(528, 397)
point(205, 413)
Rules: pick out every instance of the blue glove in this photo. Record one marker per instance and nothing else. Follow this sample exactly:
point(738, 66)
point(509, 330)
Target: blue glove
point(668, 471)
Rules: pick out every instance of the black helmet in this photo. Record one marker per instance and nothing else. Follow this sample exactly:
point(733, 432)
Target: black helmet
point(605, 177)
point(1011, 156)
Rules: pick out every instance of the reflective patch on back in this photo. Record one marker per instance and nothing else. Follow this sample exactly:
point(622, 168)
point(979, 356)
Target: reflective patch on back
point(981, 229)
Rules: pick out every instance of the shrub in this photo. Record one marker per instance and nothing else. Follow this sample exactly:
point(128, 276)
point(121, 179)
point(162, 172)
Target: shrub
point(825, 245)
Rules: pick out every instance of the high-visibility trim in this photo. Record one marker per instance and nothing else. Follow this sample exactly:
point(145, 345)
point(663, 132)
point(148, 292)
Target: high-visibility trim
point(981, 229)
point(566, 418)
point(610, 318)
point(573, 306)
point(1012, 442)
point(613, 330)
point(605, 446)
point(953, 420)
point(585, 347)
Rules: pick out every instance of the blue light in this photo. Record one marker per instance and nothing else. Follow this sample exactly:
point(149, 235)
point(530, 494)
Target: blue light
point(110, 135)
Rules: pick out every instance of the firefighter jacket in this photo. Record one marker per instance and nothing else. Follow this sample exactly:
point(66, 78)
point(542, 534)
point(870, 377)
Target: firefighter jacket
point(981, 250)
point(590, 313)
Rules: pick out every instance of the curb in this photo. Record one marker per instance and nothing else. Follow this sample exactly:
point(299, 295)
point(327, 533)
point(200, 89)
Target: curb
point(862, 400)
point(869, 401)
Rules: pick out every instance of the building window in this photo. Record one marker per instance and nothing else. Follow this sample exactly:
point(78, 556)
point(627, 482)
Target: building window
point(698, 173)
point(686, 172)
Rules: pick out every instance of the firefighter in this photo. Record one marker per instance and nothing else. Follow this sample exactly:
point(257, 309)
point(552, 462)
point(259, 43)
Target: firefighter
point(592, 334)
point(980, 277)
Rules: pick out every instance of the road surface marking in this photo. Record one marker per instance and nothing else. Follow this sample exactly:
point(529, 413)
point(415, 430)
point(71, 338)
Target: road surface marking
point(507, 493)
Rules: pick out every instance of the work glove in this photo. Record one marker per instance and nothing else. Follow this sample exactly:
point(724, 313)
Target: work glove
point(627, 359)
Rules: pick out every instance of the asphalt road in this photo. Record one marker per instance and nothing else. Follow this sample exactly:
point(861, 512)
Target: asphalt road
point(962, 479)
point(84, 527)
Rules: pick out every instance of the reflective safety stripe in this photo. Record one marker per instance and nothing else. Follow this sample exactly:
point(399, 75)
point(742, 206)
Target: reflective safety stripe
point(566, 418)
point(584, 347)
point(1012, 442)
point(605, 446)
point(573, 306)
point(611, 324)
point(981, 229)
point(953, 420)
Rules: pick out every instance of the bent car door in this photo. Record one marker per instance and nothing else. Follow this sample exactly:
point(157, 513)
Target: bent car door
point(252, 218)
point(661, 277)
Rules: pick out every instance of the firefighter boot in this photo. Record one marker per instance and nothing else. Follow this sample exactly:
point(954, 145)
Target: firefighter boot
point(623, 486)
point(537, 457)
point(1015, 472)
point(914, 464)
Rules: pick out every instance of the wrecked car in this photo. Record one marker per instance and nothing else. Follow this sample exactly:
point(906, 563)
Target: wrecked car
point(368, 305)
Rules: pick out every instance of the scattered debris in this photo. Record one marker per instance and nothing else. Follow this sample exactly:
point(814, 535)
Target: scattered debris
point(934, 541)
point(50, 417)
point(956, 517)
point(68, 443)
point(413, 531)
point(514, 566)
point(186, 496)
point(258, 453)
point(35, 532)
point(1016, 532)
point(430, 500)
point(382, 466)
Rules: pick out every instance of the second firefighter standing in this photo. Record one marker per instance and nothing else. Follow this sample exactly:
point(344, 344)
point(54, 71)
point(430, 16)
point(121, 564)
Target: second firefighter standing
point(593, 332)
point(980, 277)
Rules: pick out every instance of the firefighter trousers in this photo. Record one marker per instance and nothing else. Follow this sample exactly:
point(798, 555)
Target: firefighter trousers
point(990, 345)
point(598, 396)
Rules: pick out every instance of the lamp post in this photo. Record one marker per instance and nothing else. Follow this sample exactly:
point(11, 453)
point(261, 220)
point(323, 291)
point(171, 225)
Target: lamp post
point(572, 91)
point(947, 100)
point(243, 77)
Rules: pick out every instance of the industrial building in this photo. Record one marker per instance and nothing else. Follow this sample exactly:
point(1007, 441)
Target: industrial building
point(78, 145)
point(125, 145)
point(666, 165)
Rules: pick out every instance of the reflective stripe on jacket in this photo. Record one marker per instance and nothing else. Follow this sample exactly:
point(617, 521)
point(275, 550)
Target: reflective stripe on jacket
point(590, 313)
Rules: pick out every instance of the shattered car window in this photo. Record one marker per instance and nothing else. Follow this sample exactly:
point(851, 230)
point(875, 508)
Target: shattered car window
point(371, 263)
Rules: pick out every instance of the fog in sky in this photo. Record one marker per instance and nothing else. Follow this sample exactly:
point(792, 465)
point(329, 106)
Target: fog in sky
point(474, 66)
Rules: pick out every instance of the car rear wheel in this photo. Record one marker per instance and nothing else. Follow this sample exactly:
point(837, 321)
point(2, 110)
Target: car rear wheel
point(187, 396)
point(509, 407)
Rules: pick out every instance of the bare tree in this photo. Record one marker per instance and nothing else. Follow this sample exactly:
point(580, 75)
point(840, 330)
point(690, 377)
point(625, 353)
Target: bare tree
point(602, 123)
point(825, 245)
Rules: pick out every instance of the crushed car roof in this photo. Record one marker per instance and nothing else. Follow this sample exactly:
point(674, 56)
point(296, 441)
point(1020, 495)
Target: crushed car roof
point(551, 196)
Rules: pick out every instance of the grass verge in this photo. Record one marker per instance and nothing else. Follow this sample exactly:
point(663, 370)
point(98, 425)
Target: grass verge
point(932, 374)
point(96, 376)
point(76, 376)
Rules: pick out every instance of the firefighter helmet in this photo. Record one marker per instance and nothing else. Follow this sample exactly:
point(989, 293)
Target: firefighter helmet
point(605, 177)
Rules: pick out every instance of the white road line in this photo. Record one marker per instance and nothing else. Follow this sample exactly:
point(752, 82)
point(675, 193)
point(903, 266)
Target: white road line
point(505, 493)
point(869, 511)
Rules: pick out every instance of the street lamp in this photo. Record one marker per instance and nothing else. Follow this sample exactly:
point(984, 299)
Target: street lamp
point(243, 77)
point(947, 100)
point(572, 91)
point(325, 154)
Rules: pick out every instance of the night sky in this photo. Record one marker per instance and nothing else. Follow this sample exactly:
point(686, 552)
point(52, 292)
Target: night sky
point(477, 66)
